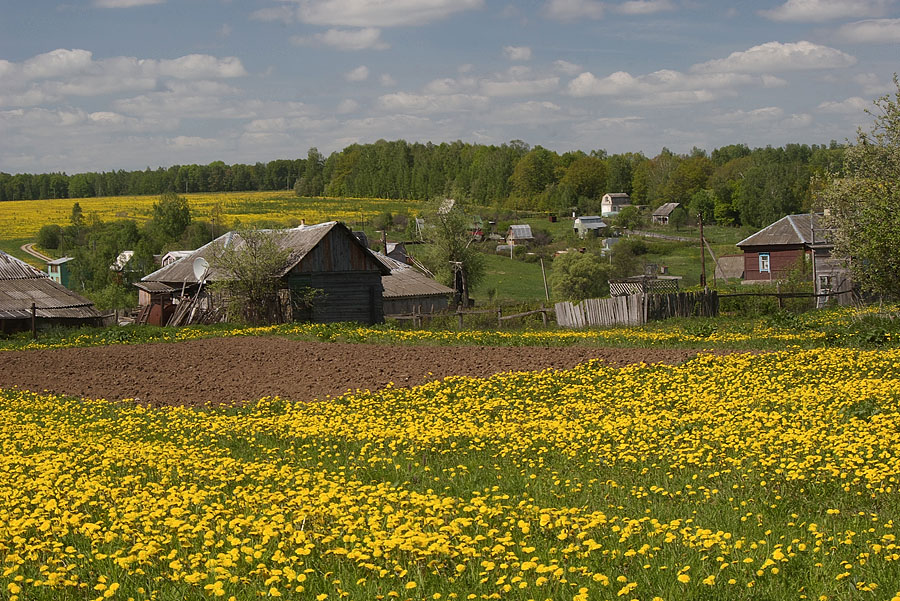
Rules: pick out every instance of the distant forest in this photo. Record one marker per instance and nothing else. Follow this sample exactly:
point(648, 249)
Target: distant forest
point(732, 185)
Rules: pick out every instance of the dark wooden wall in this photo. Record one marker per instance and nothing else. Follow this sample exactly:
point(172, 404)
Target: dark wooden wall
point(346, 296)
point(781, 261)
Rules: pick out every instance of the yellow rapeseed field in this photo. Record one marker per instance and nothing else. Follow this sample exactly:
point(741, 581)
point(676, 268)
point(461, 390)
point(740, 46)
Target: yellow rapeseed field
point(768, 476)
point(23, 218)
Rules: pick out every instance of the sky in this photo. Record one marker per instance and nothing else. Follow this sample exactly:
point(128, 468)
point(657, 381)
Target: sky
point(99, 85)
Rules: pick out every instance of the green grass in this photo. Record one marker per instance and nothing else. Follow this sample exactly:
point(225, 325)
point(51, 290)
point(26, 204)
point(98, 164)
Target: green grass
point(511, 280)
point(14, 247)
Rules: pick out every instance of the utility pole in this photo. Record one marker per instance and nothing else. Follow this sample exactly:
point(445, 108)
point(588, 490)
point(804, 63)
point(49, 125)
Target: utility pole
point(702, 253)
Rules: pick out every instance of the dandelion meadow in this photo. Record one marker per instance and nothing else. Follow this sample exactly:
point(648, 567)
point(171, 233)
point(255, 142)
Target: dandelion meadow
point(746, 476)
point(23, 218)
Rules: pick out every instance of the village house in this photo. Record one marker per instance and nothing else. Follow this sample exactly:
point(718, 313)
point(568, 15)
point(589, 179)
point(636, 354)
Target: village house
point(28, 293)
point(613, 202)
point(773, 252)
point(326, 257)
point(58, 270)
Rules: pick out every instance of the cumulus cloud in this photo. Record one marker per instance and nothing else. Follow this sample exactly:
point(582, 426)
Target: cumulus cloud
point(527, 113)
point(285, 14)
point(360, 73)
point(644, 7)
point(659, 88)
point(572, 10)
point(378, 13)
point(387, 80)
point(347, 106)
point(872, 85)
point(566, 67)
point(818, 11)
point(517, 53)
point(872, 31)
point(519, 87)
point(777, 56)
point(851, 106)
point(758, 116)
point(368, 38)
point(57, 63)
point(403, 102)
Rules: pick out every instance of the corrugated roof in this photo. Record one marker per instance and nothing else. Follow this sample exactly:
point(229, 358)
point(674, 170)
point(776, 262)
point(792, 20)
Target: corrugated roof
point(299, 241)
point(154, 287)
point(591, 221)
point(12, 268)
point(29, 285)
point(666, 209)
point(60, 261)
point(787, 231)
point(405, 281)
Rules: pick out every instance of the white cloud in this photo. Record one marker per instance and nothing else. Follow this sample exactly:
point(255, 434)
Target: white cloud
point(872, 31)
point(872, 85)
point(403, 102)
point(528, 113)
point(526, 87)
point(57, 63)
point(125, 3)
point(566, 67)
point(285, 14)
point(659, 88)
point(777, 56)
point(517, 53)
point(387, 80)
point(851, 106)
point(817, 11)
point(360, 73)
point(380, 13)
point(202, 66)
point(368, 38)
point(644, 7)
point(758, 116)
point(572, 10)
point(193, 142)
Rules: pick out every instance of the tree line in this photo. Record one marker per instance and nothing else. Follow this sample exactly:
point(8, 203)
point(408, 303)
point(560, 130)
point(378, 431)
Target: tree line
point(732, 185)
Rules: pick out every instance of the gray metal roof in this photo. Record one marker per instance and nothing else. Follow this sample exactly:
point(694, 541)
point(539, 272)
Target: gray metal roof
point(405, 281)
point(791, 230)
point(21, 285)
point(60, 261)
point(299, 241)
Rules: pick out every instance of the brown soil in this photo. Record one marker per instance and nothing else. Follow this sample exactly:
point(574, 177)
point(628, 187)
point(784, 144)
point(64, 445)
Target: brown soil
point(239, 369)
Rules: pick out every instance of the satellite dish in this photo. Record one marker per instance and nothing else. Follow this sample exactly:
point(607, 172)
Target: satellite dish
point(201, 269)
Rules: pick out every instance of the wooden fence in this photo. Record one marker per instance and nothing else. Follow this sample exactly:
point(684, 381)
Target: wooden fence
point(636, 309)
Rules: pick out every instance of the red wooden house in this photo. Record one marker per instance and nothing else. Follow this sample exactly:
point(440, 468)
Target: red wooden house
point(771, 253)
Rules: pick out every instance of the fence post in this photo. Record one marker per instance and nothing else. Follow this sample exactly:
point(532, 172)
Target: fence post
point(499, 318)
point(33, 321)
point(459, 318)
point(544, 315)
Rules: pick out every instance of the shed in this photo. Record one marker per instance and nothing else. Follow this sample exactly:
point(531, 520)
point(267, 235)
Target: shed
point(326, 257)
point(397, 251)
point(519, 234)
point(613, 202)
point(589, 225)
point(22, 285)
point(407, 290)
point(661, 215)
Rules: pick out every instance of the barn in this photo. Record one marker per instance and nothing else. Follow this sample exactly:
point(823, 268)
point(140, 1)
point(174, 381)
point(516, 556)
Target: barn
point(326, 257)
point(27, 292)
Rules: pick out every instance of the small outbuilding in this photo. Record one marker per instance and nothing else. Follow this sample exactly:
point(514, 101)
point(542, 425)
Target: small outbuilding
point(58, 270)
point(589, 225)
point(519, 235)
point(28, 293)
point(407, 290)
point(662, 214)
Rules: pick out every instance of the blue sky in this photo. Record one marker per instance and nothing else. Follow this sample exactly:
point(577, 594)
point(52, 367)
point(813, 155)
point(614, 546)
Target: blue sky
point(98, 85)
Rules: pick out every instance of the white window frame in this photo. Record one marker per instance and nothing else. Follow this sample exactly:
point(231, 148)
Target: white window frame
point(765, 263)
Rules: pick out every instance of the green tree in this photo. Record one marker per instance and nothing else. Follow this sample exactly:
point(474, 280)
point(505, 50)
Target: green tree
point(630, 218)
point(863, 203)
point(77, 216)
point(171, 215)
point(250, 265)
point(450, 253)
point(577, 276)
point(585, 177)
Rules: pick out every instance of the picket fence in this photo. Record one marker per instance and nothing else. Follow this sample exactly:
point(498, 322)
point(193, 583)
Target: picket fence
point(636, 309)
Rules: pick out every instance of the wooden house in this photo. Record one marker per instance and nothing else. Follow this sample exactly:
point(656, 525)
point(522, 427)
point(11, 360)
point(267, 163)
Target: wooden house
point(771, 253)
point(613, 202)
point(326, 257)
point(58, 270)
point(662, 214)
point(27, 292)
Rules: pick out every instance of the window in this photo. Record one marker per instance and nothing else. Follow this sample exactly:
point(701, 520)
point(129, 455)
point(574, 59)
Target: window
point(764, 262)
point(825, 283)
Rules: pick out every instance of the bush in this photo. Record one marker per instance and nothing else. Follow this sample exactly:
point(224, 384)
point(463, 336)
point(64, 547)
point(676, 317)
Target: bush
point(49, 236)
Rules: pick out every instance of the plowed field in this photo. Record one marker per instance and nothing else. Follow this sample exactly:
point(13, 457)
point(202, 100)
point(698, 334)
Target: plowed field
point(222, 370)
